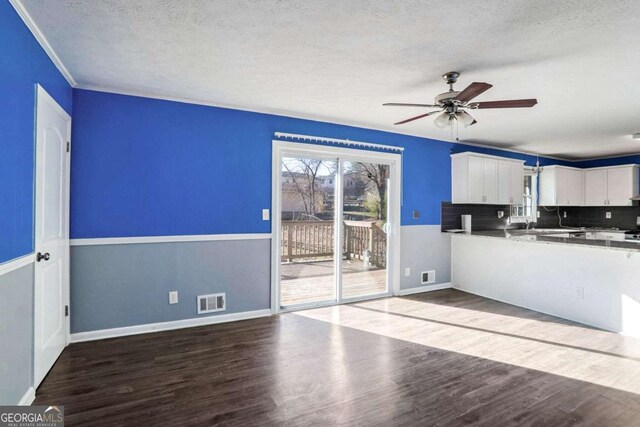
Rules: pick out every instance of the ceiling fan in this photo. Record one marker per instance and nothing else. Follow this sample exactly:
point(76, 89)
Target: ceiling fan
point(453, 103)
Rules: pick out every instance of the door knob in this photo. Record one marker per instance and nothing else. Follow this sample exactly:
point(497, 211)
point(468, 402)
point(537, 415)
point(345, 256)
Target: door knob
point(45, 256)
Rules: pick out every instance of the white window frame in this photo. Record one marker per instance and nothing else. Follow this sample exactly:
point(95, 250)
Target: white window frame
point(282, 149)
point(533, 216)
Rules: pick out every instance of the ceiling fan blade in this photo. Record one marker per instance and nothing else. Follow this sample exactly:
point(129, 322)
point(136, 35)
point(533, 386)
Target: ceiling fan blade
point(399, 104)
point(512, 103)
point(473, 90)
point(417, 117)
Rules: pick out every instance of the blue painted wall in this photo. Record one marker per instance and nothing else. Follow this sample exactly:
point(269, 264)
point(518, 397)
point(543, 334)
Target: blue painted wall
point(146, 167)
point(614, 161)
point(23, 63)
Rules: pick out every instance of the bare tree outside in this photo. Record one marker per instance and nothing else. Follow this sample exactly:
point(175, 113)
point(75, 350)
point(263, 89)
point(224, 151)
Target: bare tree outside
point(308, 185)
point(373, 178)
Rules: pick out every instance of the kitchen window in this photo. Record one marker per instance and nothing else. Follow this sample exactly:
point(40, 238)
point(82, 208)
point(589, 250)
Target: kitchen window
point(526, 210)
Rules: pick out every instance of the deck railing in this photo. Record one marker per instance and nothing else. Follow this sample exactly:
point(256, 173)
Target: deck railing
point(362, 240)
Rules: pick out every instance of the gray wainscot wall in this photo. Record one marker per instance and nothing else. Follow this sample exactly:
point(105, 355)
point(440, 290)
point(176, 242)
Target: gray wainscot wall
point(424, 248)
point(16, 334)
point(121, 285)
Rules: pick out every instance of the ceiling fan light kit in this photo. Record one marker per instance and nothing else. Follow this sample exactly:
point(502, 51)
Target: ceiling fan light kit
point(452, 104)
point(443, 120)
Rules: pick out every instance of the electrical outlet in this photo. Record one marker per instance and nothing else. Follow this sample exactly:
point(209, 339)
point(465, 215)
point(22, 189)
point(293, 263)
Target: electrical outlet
point(580, 292)
point(265, 214)
point(538, 214)
point(500, 214)
point(407, 272)
point(607, 215)
point(173, 297)
point(416, 214)
point(564, 214)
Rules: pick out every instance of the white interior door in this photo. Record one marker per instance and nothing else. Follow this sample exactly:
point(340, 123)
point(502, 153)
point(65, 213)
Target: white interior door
point(51, 294)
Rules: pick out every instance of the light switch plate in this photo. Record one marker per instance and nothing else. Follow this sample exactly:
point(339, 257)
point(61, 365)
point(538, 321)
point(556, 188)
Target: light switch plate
point(407, 271)
point(608, 215)
point(265, 214)
point(564, 214)
point(538, 214)
point(173, 297)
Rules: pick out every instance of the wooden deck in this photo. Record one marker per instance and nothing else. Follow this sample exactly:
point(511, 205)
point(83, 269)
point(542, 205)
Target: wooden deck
point(313, 282)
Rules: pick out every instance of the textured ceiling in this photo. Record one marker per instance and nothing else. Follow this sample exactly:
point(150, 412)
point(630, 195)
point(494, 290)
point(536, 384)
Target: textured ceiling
point(340, 60)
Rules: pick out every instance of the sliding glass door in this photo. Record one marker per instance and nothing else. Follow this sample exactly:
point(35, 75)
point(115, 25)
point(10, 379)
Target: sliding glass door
point(307, 231)
point(364, 225)
point(334, 213)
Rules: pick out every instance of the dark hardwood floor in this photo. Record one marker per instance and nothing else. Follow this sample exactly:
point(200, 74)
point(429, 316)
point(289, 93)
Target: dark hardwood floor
point(443, 358)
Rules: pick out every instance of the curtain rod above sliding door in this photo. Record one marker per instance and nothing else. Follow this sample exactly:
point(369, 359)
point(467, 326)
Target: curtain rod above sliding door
point(346, 142)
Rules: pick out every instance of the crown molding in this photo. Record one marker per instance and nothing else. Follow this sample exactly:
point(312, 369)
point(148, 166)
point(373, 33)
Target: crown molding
point(44, 43)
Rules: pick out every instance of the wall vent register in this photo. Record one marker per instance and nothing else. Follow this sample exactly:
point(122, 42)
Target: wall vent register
point(428, 277)
point(212, 303)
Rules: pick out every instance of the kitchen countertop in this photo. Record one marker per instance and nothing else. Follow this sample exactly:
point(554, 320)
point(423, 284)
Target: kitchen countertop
point(542, 236)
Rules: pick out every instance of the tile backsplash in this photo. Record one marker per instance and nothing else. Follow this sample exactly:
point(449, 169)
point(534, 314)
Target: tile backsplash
point(622, 217)
point(485, 217)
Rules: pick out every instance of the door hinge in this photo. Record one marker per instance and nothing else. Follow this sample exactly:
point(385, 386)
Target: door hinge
point(66, 311)
point(68, 146)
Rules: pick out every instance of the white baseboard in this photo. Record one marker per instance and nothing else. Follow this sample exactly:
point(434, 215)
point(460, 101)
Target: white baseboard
point(167, 326)
point(28, 397)
point(424, 288)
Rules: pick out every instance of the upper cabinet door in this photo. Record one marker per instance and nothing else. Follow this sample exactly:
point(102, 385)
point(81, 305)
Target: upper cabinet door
point(561, 187)
point(622, 184)
point(490, 169)
point(595, 184)
point(505, 195)
point(476, 180)
point(575, 187)
point(569, 186)
point(517, 182)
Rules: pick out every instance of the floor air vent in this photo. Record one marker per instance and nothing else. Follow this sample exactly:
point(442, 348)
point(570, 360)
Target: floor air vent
point(211, 303)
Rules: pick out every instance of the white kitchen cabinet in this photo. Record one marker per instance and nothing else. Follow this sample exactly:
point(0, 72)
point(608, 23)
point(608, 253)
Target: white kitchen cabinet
point(490, 180)
point(611, 186)
point(595, 185)
point(517, 182)
point(561, 186)
point(483, 179)
point(510, 182)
